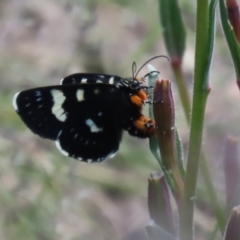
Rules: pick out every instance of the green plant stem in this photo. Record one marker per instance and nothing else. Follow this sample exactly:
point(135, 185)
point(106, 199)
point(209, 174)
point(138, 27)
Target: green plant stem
point(184, 96)
point(187, 208)
point(200, 93)
point(185, 100)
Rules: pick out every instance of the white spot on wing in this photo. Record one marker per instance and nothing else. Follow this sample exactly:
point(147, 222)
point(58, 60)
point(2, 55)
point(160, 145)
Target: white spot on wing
point(89, 160)
point(84, 80)
point(99, 81)
point(112, 155)
point(93, 127)
point(111, 80)
point(96, 91)
point(59, 114)
point(80, 94)
point(59, 146)
point(100, 114)
point(79, 159)
point(15, 101)
point(61, 81)
point(38, 93)
point(58, 100)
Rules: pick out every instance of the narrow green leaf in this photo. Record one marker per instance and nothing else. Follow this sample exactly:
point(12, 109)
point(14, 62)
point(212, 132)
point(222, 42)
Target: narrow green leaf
point(207, 54)
point(153, 143)
point(173, 28)
point(230, 37)
point(180, 154)
point(152, 77)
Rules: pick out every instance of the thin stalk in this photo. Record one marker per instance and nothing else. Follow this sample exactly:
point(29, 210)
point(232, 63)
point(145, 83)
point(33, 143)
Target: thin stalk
point(187, 209)
point(186, 103)
point(200, 93)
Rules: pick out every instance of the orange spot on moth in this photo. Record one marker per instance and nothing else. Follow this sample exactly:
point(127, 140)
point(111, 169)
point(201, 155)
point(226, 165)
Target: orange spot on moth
point(145, 125)
point(138, 99)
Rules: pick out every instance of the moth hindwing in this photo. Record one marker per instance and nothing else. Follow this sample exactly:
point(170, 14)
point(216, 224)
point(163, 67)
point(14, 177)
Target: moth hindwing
point(86, 114)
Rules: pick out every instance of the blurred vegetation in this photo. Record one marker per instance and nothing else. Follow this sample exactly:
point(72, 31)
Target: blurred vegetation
point(44, 195)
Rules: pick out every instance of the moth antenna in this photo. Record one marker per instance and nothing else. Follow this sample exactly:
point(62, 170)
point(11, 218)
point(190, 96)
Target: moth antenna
point(151, 73)
point(160, 56)
point(134, 69)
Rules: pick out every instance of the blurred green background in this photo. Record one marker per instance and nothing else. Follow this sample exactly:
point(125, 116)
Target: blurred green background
point(43, 194)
